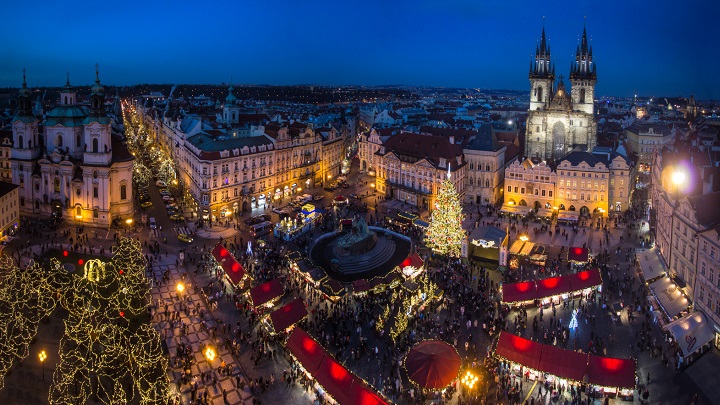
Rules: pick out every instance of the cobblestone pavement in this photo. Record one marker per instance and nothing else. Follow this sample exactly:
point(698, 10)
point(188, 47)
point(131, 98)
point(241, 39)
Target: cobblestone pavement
point(192, 330)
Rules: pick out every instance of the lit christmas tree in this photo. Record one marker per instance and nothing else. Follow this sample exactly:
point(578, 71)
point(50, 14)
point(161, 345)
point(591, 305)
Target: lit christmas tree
point(445, 233)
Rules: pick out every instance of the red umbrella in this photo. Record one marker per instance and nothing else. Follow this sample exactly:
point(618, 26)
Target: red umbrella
point(432, 364)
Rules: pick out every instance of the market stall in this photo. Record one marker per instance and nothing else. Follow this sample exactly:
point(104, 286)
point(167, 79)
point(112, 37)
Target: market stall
point(234, 272)
point(651, 265)
point(568, 216)
point(671, 299)
point(691, 332)
point(412, 266)
point(578, 255)
point(553, 289)
point(610, 376)
point(519, 293)
point(266, 293)
point(288, 315)
point(343, 386)
point(519, 350)
point(485, 243)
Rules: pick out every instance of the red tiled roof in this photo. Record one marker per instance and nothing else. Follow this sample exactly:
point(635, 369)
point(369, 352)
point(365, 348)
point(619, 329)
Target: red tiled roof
point(420, 146)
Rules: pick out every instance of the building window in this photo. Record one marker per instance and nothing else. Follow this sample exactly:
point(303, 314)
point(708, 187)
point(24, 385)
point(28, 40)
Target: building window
point(77, 192)
point(95, 145)
point(123, 191)
point(78, 212)
point(57, 185)
point(509, 189)
point(95, 192)
point(96, 212)
point(59, 141)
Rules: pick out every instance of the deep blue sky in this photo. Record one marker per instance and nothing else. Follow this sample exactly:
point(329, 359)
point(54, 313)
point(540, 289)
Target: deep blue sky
point(656, 48)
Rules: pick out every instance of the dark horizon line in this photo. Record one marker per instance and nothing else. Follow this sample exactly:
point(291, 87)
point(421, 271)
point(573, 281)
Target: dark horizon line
point(327, 86)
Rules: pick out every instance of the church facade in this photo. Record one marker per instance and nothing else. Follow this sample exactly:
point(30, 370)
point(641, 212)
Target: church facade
point(76, 169)
point(560, 120)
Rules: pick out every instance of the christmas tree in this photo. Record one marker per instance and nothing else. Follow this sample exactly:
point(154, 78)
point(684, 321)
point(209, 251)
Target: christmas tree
point(445, 233)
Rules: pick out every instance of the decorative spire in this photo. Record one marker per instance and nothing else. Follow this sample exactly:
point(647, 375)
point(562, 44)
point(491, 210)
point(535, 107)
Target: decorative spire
point(97, 73)
point(449, 165)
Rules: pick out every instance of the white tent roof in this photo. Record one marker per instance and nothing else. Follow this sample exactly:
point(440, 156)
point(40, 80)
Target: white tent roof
point(691, 332)
point(671, 299)
point(651, 264)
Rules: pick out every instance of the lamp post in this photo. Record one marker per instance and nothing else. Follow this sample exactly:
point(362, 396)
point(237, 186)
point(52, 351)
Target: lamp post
point(209, 354)
point(42, 356)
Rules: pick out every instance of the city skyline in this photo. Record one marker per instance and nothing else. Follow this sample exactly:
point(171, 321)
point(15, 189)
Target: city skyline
point(649, 51)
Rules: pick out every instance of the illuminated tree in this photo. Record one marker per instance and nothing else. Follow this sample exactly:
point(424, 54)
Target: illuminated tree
point(445, 233)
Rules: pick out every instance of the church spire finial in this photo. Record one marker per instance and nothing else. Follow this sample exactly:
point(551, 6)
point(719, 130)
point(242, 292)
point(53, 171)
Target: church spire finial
point(67, 78)
point(24, 84)
point(97, 73)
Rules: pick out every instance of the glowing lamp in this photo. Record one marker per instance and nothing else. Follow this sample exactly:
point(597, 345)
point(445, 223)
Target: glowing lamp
point(81, 261)
point(65, 253)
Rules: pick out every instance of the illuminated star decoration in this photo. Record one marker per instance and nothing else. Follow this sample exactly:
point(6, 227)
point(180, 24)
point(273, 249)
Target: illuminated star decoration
point(573, 320)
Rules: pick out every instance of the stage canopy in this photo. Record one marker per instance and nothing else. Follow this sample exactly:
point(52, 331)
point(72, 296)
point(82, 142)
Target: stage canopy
point(519, 350)
point(515, 209)
point(265, 293)
point(578, 254)
point(691, 332)
point(585, 279)
point(232, 268)
point(672, 301)
point(288, 315)
point(611, 372)
point(651, 264)
point(568, 216)
point(563, 363)
point(519, 292)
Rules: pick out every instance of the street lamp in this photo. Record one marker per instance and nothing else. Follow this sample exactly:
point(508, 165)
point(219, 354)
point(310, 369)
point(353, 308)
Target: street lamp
point(469, 380)
point(180, 288)
point(42, 357)
point(524, 238)
point(209, 353)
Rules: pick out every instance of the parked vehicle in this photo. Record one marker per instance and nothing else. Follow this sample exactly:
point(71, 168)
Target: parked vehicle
point(185, 238)
point(318, 197)
point(261, 229)
point(153, 224)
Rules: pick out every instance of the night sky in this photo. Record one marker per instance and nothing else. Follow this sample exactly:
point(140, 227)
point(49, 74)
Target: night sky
point(654, 48)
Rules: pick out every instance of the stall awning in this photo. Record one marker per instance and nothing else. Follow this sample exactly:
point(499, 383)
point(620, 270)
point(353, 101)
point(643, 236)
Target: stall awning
point(546, 213)
point(519, 292)
point(265, 293)
point(691, 332)
point(515, 209)
point(578, 254)
point(305, 349)
point(288, 315)
point(568, 216)
point(421, 223)
point(527, 247)
point(563, 363)
point(232, 268)
point(549, 287)
point(519, 350)
point(651, 264)
point(585, 279)
point(611, 372)
point(516, 247)
point(672, 301)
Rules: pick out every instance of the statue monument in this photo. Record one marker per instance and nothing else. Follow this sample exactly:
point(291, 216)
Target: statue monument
point(359, 240)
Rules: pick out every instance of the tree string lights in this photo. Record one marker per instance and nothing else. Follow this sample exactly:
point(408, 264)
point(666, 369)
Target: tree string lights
point(445, 233)
point(109, 350)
